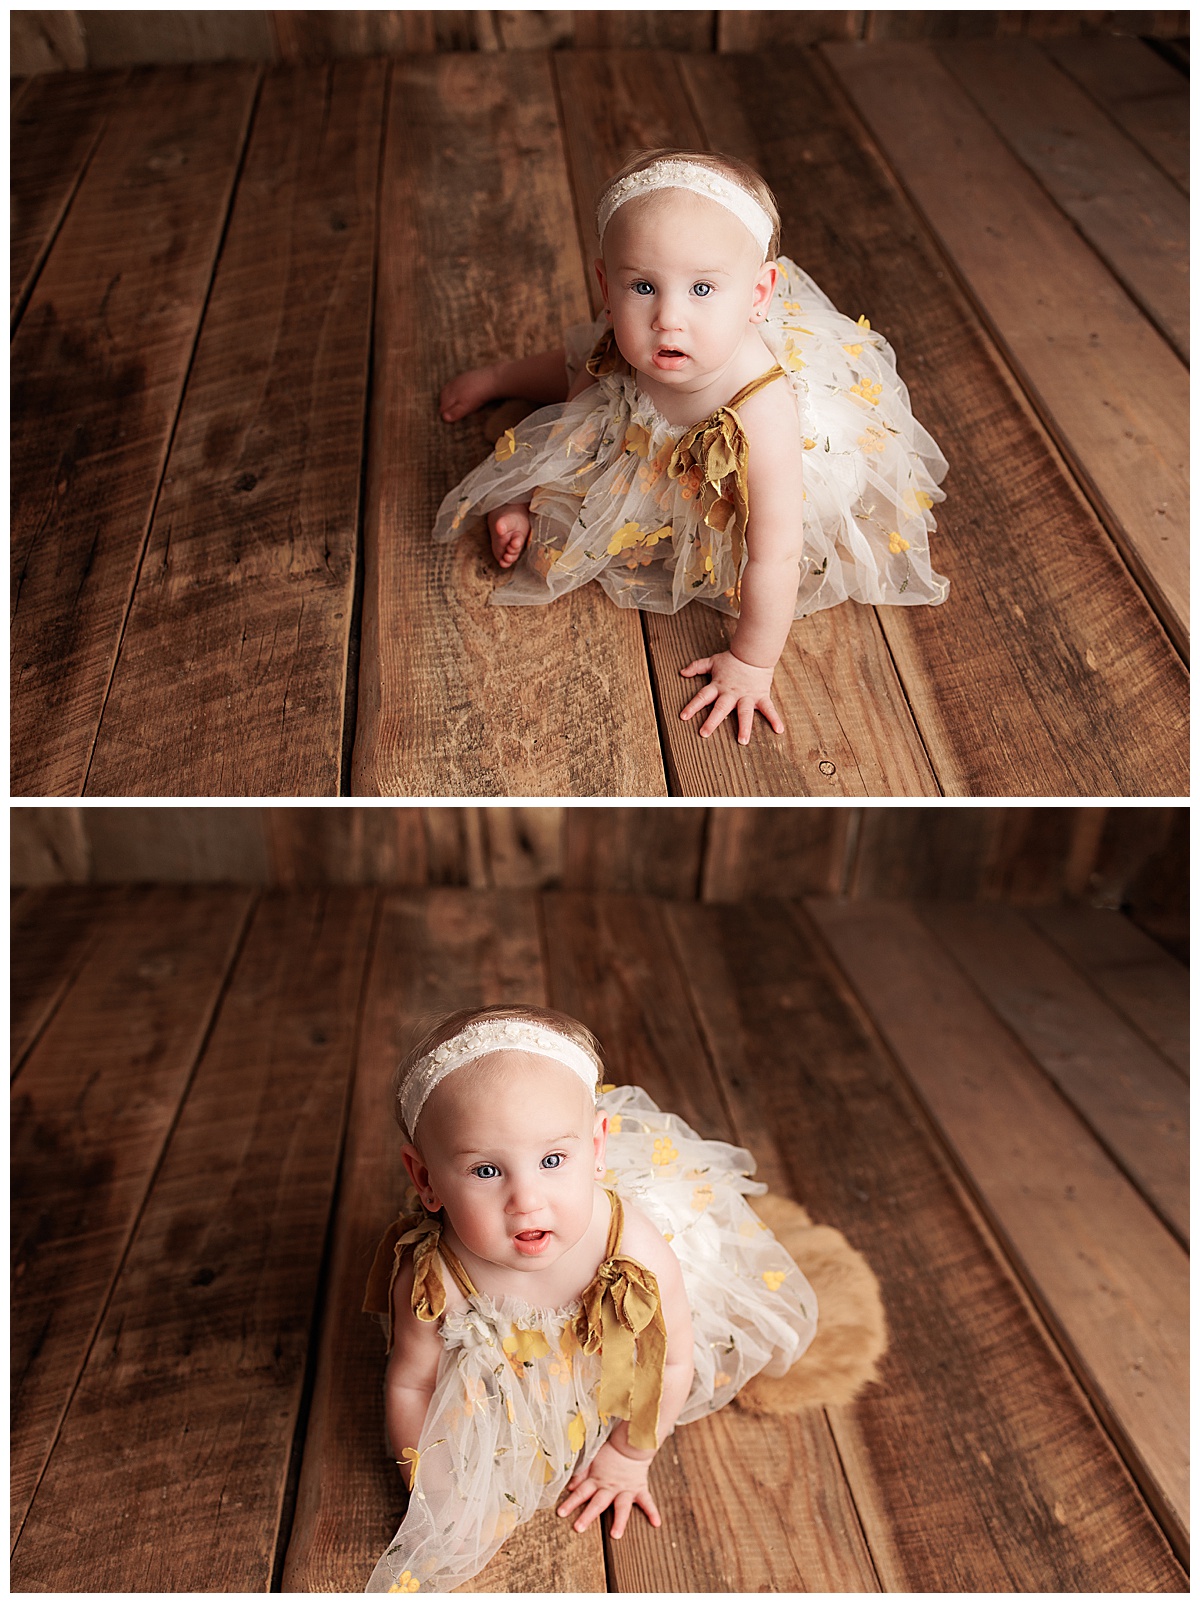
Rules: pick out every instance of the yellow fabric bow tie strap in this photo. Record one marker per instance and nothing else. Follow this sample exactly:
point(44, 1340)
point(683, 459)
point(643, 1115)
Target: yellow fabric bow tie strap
point(621, 1318)
point(422, 1232)
point(605, 357)
point(715, 453)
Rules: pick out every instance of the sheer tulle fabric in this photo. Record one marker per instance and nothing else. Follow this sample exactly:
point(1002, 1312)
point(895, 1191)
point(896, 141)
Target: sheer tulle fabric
point(514, 1407)
point(603, 507)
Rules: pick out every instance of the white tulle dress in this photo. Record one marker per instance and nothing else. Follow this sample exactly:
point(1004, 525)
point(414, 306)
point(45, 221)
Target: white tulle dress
point(656, 511)
point(515, 1403)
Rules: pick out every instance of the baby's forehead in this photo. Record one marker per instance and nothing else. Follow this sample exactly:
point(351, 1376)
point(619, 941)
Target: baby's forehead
point(681, 224)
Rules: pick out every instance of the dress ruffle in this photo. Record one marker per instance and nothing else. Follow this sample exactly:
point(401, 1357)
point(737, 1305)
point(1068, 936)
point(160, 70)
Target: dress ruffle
point(516, 1401)
point(596, 472)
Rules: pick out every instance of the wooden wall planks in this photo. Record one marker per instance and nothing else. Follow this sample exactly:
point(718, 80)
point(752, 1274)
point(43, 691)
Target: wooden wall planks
point(1146, 96)
point(234, 654)
point(100, 359)
point(48, 41)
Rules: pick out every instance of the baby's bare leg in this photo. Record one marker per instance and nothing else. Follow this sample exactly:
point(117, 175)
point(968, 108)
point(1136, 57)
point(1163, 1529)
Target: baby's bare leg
point(509, 527)
point(532, 378)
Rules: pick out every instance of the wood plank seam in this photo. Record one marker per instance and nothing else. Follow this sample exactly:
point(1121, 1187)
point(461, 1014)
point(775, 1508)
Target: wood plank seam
point(354, 632)
point(287, 1510)
point(48, 245)
point(1005, 364)
point(1109, 112)
point(89, 947)
point(1048, 1079)
point(148, 526)
point(1076, 472)
point(848, 1479)
point(1002, 1248)
point(1127, 1018)
point(1148, 312)
point(101, 1311)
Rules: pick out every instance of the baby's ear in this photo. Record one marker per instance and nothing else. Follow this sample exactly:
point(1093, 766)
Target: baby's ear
point(764, 287)
point(600, 1140)
point(418, 1173)
point(602, 279)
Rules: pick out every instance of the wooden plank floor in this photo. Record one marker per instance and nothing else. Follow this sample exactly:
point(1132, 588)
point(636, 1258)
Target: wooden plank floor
point(196, 1396)
point(236, 293)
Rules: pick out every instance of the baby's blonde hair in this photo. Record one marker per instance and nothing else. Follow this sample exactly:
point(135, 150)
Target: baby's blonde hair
point(738, 172)
point(433, 1037)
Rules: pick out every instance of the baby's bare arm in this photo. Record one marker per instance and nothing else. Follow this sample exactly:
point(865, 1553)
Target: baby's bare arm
point(540, 378)
point(618, 1474)
point(741, 677)
point(412, 1368)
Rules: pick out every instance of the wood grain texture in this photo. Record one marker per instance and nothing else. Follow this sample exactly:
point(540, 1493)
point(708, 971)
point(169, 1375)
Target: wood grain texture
point(1132, 215)
point(1133, 1101)
point(46, 41)
point(770, 30)
point(118, 37)
point(655, 851)
point(899, 849)
point(91, 1110)
point(1103, 1269)
point(778, 851)
point(1130, 971)
point(56, 125)
point(231, 679)
point(435, 951)
point(849, 731)
point(176, 843)
point(52, 935)
point(975, 1464)
point(1139, 90)
point(346, 845)
point(1106, 383)
point(98, 365)
point(457, 697)
point(1013, 679)
point(48, 846)
point(748, 1504)
point(191, 1391)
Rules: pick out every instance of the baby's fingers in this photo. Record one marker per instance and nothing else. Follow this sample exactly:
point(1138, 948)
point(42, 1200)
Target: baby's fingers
point(648, 1506)
point(699, 701)
point(767, 707)
point(621, 1508)
point(580, 1490)
point(722, 707)
point(697, 665)
point(601, 1498)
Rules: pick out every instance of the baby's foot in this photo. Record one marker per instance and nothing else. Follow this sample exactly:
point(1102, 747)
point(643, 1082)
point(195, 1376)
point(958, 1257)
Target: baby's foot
point(509, 528)
point(466, 393)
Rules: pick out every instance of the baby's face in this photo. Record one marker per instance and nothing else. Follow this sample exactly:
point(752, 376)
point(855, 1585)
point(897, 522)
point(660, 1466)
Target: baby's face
point(681, 277)
point(511, 1149)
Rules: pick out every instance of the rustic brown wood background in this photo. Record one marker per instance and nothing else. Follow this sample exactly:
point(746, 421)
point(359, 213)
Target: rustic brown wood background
point(1131, 857)
point(49, 41)
point(990, 1102)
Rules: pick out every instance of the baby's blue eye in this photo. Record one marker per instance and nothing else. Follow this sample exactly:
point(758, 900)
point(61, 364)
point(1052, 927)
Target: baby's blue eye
point(485, 1171)
point(641, 287)
point(552, 1160)
point(702, 290)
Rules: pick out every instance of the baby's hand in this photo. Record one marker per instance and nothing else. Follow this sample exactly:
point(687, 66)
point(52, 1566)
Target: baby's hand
point(734, 683)
point(610, 1478)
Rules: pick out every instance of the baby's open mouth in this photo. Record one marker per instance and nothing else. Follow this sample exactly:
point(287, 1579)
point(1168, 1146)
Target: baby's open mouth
point(531, 1235)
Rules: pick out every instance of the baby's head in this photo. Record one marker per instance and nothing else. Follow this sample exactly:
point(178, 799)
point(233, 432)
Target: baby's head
point(687, 241)
point(499, 1109)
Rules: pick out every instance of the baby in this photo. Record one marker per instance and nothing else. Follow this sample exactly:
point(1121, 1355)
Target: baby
point(719, 379)
point(578, 1274)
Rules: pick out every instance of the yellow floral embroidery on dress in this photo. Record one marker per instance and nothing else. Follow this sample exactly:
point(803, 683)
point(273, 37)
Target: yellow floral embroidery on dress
point(774, 1278)
point(542, 558)
point(855, 350)
point(576, 1433)
point(409, 1459)
point(631, 534)
point(523, 1346)
point(506, 446)
point(637, 440)
point(701, 1197)
point(407, 1583)
point(614, 1124)
point(897, 543)
point(864, 322)
point(868, 391)
point(560, 1368)
point(917, 500)
point(474, 1394)
point(664, 1152)
point(873, 441)
point(810, 445)
point(791, 355)
point(721, 1378)
point(750, 1227)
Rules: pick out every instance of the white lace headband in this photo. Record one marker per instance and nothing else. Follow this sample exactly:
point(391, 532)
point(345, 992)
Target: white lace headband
point(670, 174)
point(476, 1041)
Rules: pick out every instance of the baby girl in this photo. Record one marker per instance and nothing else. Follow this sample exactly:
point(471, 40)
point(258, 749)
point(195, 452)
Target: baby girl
point(577, 1274)
point(720, 379)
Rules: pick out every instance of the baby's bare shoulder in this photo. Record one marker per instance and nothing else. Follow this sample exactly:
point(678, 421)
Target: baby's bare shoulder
point(769, 418)
point(643, 1240)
